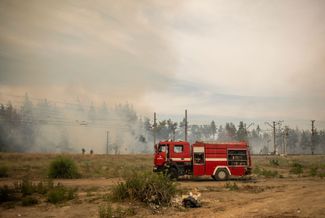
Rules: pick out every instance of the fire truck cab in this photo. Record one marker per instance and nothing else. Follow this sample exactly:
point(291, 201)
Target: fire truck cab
point(219, 160)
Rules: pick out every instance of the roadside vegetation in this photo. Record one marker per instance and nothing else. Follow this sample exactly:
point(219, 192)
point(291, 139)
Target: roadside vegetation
point(29, 193)
point(108, 211)
point(38, 166)
point(149, 188)
point(265, 172)
point(296, 168)
point(63, 167)
point(42, 166)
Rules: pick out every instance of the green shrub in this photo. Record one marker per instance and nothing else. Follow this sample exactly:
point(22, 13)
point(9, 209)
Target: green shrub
point(56, 195)
point(3, 171)
point(63, 167)
point(297, 168)
point(257, 170)
point(59, 194)
point(321, 174)
point(42, 187)
point(108, 212)
point(274, 162)
point(27, 187)
point(313, 171)
point(270, 173)
point(25, 190)
point(150, 188)
point(232, 187)
point(29, 200)
point(264, 172)
point(317, 171)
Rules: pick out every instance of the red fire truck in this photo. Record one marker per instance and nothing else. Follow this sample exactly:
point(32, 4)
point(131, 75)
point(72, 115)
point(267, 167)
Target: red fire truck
point(219, 160)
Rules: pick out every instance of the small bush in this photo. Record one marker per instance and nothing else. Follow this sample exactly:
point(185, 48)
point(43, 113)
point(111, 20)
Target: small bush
point(270, 173)
point(150, 188)
point(108, 212)
point(265, 173)
point(56, 195)
point(317, 171)
point(42, 187)
point(29, 201)
point(27, 187)
point(232, 187)
point(59, 194)
point(63, 167)
point(3, 171)
point(25, 190)
point(257, 170)
point(313, 171)
point(274, 162)
point(296, 168)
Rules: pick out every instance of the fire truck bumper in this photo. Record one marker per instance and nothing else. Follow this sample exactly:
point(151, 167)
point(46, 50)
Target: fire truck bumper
point(248, 171)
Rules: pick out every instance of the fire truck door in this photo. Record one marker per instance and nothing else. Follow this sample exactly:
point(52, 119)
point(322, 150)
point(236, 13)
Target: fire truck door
point(198, 161)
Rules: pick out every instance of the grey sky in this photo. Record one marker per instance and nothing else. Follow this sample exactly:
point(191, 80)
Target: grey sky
point(251, 59)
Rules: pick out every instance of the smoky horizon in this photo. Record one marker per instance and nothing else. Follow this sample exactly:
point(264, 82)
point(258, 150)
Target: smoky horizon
point(227, 62)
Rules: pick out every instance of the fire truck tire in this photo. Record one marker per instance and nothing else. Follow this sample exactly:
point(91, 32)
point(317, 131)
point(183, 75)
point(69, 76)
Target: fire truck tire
point(173, 173)
point(221, 175)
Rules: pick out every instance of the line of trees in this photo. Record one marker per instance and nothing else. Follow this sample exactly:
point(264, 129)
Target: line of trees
point(261, 141)
point(22, 128)
point(43, 126)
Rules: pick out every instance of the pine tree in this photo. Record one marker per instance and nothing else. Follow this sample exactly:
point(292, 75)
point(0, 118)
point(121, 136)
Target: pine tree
point(241, 132)
point(213, 129)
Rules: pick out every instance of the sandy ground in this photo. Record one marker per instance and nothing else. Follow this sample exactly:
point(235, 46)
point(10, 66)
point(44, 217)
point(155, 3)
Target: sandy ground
point(281, 197)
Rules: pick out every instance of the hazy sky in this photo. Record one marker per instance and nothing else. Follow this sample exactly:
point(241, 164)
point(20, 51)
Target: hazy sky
point(250, 59)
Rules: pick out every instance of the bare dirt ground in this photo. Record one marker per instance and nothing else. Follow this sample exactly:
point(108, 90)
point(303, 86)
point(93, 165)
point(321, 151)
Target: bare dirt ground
point(287, 197)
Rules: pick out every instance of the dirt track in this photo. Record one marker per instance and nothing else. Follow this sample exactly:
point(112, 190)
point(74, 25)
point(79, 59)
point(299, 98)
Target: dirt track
point(288, 197)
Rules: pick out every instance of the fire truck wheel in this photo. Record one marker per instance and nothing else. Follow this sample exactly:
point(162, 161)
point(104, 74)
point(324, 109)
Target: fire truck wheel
point(221, 174)
point(172, 173)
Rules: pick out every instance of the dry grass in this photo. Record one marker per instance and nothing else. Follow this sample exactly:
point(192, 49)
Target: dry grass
point(284, 164)
point(115, 166)
point(90, 166)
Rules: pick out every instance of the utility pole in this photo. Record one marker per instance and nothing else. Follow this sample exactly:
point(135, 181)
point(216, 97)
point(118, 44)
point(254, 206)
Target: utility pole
point(247, 127)
point(274, 134)
point(154, 127)
point(312, 136)
point(186, 125)
point(274, 142)
point(107, 141)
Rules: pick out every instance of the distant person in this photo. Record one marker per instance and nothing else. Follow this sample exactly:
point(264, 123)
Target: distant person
point(91, 152)
point(83, 151)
